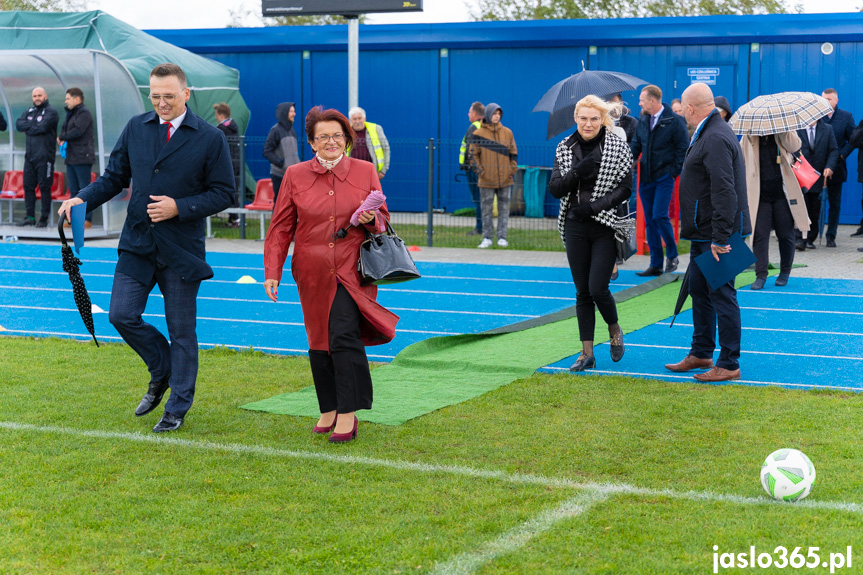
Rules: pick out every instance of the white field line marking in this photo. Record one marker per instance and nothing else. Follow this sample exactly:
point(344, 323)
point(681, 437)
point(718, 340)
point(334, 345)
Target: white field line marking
point(430, 468)
point(803, 310)
point(474, 294)
point(520, 535)
point(748, 352)
point(60, 273)
point(689, 377)
point(201, 344)
point(796, 293)
point(809, 331)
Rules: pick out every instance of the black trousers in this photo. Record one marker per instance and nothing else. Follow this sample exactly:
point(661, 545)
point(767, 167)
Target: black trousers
point(813, 207)
point(712, 307)
point(342, 378)
point(773, 215)
point(41, 173)
point(834, 200)
point(591, 251)
point(277, 184)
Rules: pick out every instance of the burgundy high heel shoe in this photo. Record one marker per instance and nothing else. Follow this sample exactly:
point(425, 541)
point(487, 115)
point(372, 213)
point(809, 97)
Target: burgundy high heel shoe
point(345, 437)
point(323, 430)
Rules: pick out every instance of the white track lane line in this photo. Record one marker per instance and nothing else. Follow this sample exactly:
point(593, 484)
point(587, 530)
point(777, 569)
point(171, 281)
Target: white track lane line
point(746, 351)
point(806, 331)
point(428, 468)
point(520, 535)
point(803, 310)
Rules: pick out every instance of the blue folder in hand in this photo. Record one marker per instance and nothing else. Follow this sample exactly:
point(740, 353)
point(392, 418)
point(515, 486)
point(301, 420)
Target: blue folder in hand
point(79, 213)
point(729, 265)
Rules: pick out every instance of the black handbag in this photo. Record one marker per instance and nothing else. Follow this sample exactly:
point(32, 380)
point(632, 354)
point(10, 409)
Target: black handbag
point(625, 248)
point(384, 259)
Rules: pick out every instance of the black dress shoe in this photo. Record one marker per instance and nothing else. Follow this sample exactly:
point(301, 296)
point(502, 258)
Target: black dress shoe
point(831, 243)
point(583, 362)
point(810, 246)
point(758, 283)
point(169, 422)
point(28, 221)
point(651, 271)
point(782, 280)
point(860, 249)
point(617, 348)
point(800, 245)
point(152, 398)
point(43, 223)
point(671, 265)
point(614, 275)
point(858, 233)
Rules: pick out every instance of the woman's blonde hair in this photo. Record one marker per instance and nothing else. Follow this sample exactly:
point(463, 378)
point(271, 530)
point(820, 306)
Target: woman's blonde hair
point(597, 103)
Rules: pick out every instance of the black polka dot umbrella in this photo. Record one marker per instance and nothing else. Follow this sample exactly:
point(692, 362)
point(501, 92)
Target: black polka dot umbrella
point(82, 298)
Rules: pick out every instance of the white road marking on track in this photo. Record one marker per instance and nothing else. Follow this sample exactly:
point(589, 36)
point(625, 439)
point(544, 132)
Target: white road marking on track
point(747, 351)
point(517, 537)
point(430, 468)
point(60, 273)
point(474, 294)
point(803, 310)
point(808, 331)
point(688, 376)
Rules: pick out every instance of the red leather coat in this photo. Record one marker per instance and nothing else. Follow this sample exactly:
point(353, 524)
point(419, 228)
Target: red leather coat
point(313, 204)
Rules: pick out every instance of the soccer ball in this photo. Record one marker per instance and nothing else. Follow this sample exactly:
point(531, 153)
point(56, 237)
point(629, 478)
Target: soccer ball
point(787, 475)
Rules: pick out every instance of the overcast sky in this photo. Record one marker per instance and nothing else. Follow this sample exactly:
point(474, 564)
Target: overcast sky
point(216, 13)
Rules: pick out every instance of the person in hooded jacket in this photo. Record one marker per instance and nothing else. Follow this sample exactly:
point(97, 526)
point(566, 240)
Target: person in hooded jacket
point(39, 124)
point(228, 126)
point(494, 157)
point(281, 149)
point(77, 133)
point(724, 107)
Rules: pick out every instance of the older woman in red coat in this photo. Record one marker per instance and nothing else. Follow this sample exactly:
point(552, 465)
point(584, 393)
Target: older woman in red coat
point(317, 198)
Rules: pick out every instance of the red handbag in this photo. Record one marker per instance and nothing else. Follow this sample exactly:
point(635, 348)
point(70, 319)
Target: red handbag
point(806, 175)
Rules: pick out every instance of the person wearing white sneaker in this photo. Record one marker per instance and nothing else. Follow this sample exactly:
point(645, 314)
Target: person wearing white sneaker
point(502, 243)
point(485, 243)
point(494, 157)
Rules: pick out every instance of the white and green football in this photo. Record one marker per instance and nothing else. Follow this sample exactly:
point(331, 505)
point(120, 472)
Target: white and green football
point(787, 475)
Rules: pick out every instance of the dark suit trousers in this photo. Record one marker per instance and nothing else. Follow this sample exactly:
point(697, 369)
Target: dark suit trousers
point(176, 361)
point(834, 199)
point(655, 199)
point(773, 215)
point(591, 251)
point(813, 208)
point(342, 378)
point(709, 308)
point(41, 174)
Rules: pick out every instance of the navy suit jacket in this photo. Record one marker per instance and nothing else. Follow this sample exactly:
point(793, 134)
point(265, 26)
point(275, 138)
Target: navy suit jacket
point(824, 154)
point(194, 168)
point(842, 123)
point(662, 150)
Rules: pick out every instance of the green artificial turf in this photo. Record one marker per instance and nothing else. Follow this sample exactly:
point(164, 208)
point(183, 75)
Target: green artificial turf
point(441, 371)
point(87, 488)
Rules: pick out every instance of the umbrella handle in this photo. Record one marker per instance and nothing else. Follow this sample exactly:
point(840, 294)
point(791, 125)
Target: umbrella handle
point(60, 228)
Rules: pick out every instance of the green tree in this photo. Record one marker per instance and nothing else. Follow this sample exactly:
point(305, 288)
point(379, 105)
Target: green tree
point(490, 10)
point(44, 5)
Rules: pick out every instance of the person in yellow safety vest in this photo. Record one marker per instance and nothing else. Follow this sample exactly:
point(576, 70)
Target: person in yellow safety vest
point(370, 143)
point(474, 115)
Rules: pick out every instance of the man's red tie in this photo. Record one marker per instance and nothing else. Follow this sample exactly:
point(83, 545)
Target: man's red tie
point(169, 132)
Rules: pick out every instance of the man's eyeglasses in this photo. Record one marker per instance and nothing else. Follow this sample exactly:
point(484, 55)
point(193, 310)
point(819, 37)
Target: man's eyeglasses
point(323, 138)
point(168, 98)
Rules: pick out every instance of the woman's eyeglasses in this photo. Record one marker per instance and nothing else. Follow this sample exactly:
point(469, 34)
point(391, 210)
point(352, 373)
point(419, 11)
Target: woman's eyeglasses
point(323, 138)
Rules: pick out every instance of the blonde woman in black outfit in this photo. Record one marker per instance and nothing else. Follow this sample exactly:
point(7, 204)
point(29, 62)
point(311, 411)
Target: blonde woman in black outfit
point(592, 175)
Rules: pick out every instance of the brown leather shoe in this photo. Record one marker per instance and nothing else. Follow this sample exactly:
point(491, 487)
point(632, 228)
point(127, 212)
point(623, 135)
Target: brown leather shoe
point(690, 362)
point(718, 374)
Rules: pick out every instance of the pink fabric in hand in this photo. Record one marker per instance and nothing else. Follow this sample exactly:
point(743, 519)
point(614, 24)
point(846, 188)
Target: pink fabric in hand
point(373, 201)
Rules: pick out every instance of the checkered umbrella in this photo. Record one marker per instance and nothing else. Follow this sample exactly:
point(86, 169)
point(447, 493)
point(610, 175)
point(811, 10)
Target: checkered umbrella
point(82, 298)
point(778, 113)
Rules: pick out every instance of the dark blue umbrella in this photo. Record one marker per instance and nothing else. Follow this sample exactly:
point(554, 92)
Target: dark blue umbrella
point(560, 99)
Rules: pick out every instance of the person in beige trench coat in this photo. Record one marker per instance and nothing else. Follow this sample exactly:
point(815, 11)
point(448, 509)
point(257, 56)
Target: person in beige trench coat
point(775, 200)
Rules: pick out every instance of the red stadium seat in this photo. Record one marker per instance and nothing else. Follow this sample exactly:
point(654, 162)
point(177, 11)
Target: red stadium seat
point(13, 182)
point(263, 196)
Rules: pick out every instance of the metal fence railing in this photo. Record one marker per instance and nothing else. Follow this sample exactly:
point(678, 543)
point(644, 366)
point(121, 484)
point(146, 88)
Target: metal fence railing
point(428, 196)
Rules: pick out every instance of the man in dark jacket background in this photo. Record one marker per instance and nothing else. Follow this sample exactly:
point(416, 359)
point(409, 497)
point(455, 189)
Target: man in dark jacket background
point(39, 124)
point(842, 123)
point(180, 170)
point(661, 141)
point(77, 134)
point(820, 150)
point(713, 206)
point(228, 126)
point(475, 114)
point(281, 146)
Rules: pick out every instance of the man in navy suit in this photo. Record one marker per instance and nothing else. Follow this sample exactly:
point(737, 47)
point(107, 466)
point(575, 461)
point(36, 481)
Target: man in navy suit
point(820, 150)
point(181, 172)
point(713, 207)
point(842, 123)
